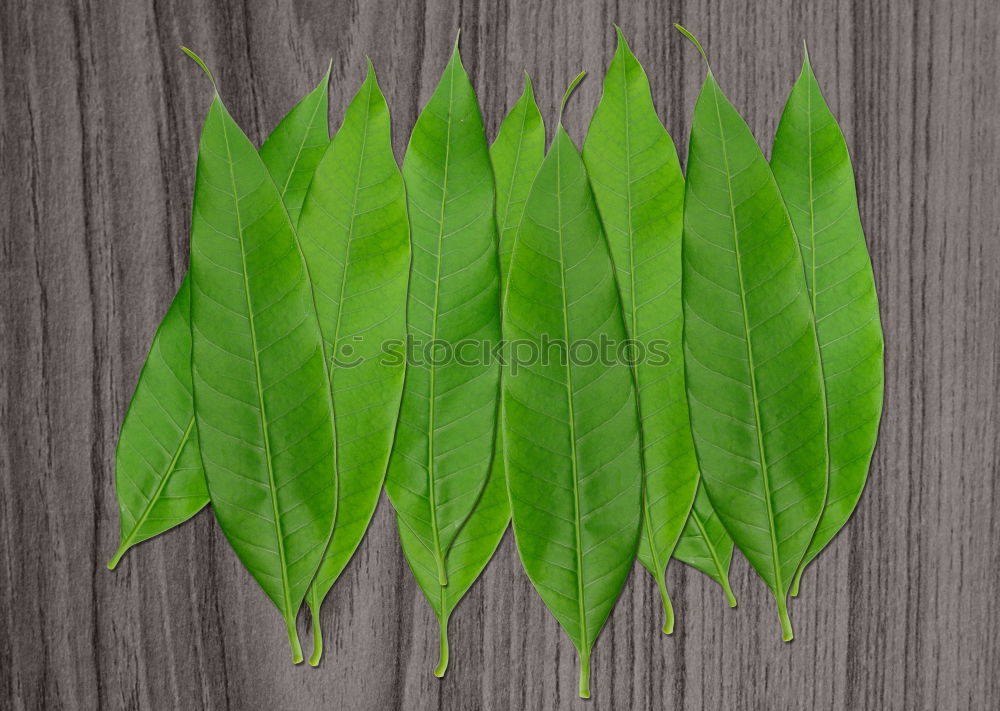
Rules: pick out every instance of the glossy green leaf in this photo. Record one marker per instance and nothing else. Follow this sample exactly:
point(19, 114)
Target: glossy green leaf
point(813, 169)
point(159, 475)
point(262, 393)
point(639, 189)
point(705, 545)
point(571, 429)
point(750, 352)
point(444, 438)
point(355, 237)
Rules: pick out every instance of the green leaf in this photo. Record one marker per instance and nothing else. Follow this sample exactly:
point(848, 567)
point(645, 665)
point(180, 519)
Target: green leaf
point(160, 480)
point(639, 189)
point(473, 548)
point(295, 147)
point(751, 356)
point(355, 238)
point(262, 393)
point(444, 438)
point(516, 155)
point(158, 473)
point(813, 169)
point(705, 545)
point(571, 427)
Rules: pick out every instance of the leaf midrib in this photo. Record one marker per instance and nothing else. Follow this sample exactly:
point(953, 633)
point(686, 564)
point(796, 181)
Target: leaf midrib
point(812, 207)
point(151, 502)
point(298, 153)
point(708, 544)
point(510, 191)
point(328, 367)
point(431, 485)
point(779, 586)
point(265, 425)
point(813, 294)
point(513, 250)
point(578, 520)
point(658, 567)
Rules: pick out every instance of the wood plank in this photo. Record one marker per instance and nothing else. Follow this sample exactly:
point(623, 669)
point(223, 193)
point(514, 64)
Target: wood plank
point(99, 121)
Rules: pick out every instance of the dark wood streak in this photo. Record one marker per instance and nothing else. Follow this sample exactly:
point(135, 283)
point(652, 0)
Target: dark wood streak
point(99, 121)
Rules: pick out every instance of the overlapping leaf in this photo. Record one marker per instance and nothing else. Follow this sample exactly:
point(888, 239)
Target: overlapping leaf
point(444, 438)
point(571, 427)
point(472, 549)
point(263, 401)
point(813, 169)
point(355, 237)
point(639, 189)
point(158, 471)
point(158, 468)
point(516, 155)
point(705, 545)
point(750, 350)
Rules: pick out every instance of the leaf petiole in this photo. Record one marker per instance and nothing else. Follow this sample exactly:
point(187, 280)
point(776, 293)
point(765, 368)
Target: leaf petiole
point(442, 666)
point(293, 640)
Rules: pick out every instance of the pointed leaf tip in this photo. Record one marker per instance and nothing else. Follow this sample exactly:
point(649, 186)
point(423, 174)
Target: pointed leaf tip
point(456, 53)
point(569, 90)
point(529, 88)
point(622, 42)
point(198, 60)
point(695, 42)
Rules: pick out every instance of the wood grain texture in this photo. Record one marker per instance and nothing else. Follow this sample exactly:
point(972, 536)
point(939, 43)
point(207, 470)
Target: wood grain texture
point(99, 122)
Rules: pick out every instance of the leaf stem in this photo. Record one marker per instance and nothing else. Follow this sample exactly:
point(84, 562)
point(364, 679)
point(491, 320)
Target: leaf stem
point(730, 598)
point(585, 675)
point(786, 623)
point(569, 90)
point(200, 62)
point(317, 632)
point(697, 44)
point(668, 609)
point(796, 580)
point(443, 645)
point(293, 640)
point(129, 540)
point(722, 570)
point(113, 563)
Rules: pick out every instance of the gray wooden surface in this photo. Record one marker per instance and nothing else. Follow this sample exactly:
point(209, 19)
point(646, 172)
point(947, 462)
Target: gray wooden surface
point(99, 121)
